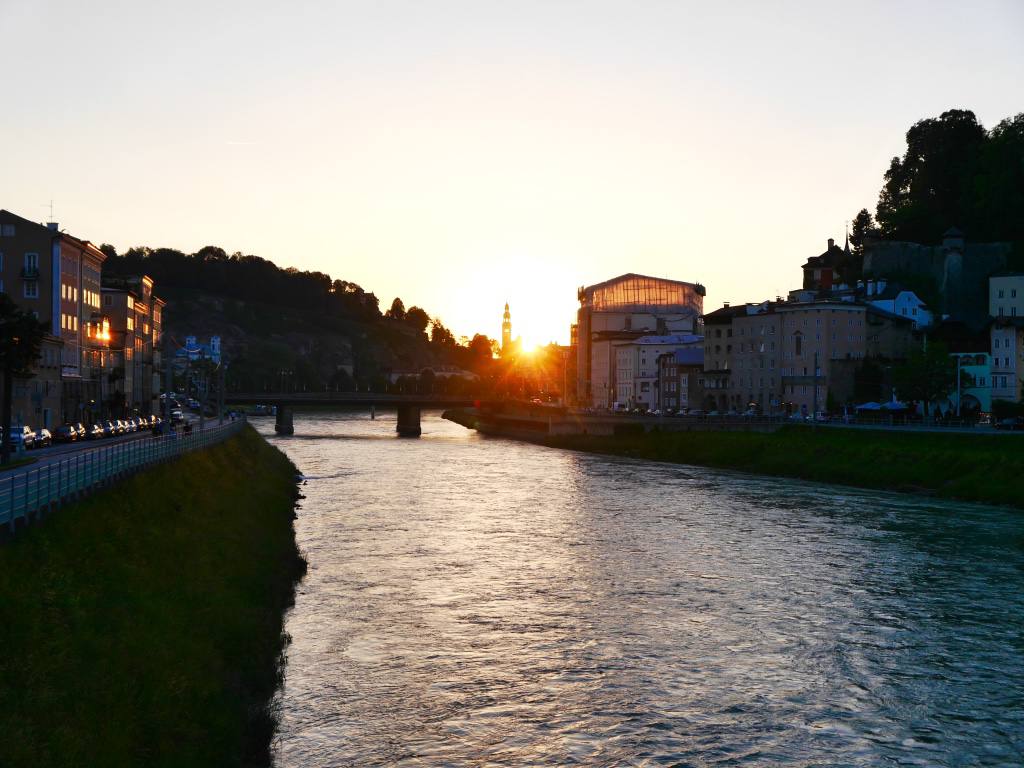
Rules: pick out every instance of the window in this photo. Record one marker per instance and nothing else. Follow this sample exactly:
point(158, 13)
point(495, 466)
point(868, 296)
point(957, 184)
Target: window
point(131, 324)
point(107, 301)
point(1013, 311)
point(1000, 293)
point(7, 230)
point(1013, 293)
point(31, 289)
point(74, 320)
point(31, 262)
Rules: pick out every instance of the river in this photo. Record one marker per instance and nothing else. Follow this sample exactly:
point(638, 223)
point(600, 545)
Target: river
point(478, 601)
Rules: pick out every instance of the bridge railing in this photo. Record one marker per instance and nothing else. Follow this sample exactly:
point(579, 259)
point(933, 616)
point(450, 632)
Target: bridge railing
point(28, 491)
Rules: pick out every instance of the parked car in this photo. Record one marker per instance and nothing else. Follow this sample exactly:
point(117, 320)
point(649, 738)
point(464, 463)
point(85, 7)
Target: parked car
point(1012, 423)
point(695, 412)
point(66, 433)
point(80, 428)
point(177, 415)
point(21, 436)
point(131, 425)
point(44, 439)
point(109, 428)
point(95, 432)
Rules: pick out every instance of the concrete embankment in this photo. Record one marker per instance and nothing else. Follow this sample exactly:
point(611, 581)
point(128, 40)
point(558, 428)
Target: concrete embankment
point(986, 469)
point(144, 624)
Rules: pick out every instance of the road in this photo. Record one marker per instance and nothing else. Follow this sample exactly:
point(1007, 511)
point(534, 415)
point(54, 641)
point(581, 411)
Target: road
point(61, 451)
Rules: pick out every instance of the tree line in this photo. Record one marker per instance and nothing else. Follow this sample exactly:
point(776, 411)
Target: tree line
point(953, 173)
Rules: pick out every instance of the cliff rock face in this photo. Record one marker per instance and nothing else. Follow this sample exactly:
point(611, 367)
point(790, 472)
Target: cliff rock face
point(957, 270)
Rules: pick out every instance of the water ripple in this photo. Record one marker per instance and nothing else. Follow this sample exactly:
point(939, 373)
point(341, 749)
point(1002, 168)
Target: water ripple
point(483, 602)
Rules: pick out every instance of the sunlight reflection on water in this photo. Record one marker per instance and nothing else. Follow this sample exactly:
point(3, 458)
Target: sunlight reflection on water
point(475, 601)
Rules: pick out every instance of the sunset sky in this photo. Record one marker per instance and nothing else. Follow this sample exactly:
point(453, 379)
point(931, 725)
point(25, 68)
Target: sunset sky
point(461, 154)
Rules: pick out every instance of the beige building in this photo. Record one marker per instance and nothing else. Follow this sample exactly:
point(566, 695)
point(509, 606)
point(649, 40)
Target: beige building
point(819, 341)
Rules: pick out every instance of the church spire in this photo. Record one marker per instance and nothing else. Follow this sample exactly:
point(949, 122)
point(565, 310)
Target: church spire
point(506, 330)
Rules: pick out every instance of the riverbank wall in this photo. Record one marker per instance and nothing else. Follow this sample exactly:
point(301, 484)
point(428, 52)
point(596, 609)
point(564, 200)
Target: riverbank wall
point(144, 624)
point(981, 468)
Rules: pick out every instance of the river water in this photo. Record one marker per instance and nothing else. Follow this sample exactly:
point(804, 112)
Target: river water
point(478, 601)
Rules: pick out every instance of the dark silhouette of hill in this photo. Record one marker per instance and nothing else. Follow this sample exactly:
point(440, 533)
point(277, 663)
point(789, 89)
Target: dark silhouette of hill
point(299, 329)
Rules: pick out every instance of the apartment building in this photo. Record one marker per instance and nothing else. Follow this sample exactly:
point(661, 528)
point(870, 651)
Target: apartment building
point(742, 350)
point(681, 379)
point(819, 341)
point(636, 367)
point(718, 356)
point(756, 377)
point(29, 274)
point(135, 316)
point(1007, 340)
point(83, 329)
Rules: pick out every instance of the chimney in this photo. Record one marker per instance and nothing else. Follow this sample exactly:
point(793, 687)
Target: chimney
point(52, 226)
point(831, 243)
point(725, 304)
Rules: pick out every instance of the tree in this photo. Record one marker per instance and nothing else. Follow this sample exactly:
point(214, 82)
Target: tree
point(928, 374)
point(481, 350)
point(418, 319)
point(21, 340)
point(397, 311)
point(930, 187)
point(441, 336)
point(862, 225)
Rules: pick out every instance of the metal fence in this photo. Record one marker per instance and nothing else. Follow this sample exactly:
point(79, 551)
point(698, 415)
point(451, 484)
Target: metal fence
point(28, 491)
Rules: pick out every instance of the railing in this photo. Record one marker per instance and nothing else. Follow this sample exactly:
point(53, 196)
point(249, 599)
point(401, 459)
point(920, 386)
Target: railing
point(25, 492)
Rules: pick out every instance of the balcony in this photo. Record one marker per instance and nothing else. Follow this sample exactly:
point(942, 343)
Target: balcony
point(30, 273)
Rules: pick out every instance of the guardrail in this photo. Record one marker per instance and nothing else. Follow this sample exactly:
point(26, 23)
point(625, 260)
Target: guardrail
point(29, 491)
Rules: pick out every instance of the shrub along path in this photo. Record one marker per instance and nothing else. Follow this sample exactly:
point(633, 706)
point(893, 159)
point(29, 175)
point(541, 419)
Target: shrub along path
point(143, 626)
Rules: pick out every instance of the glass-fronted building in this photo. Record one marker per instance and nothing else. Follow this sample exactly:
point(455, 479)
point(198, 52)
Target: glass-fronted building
point(622, 309)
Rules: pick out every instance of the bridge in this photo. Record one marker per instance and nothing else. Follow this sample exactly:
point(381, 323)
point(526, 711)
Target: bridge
point(407, 405)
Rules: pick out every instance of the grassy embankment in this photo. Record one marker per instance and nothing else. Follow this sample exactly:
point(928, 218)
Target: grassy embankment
point(983, 468)
point(143, 625)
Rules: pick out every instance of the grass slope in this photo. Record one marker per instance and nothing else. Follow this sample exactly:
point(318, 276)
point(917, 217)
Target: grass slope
point(143, 626)
point(987, 469)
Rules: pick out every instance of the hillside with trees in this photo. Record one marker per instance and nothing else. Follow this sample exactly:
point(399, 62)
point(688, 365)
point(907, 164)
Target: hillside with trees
point(953, 172)
point(286, 327)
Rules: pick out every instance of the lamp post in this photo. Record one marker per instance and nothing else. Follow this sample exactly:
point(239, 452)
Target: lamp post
point(958, 359)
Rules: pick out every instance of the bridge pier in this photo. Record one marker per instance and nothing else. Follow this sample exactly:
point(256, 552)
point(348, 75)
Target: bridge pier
point(408, 421)
point(283, 424)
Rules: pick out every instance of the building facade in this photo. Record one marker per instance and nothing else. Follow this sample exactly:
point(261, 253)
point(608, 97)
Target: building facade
point(1007, 340)
point(135, 317)
point(30, 276)
point(83, 329)
point(821, 340)
point(636, 367)
point(626, 308)
point(1006, 295)
point(681, 379)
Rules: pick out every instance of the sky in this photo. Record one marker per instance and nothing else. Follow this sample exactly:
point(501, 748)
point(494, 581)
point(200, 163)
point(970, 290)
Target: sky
point(464, 154)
